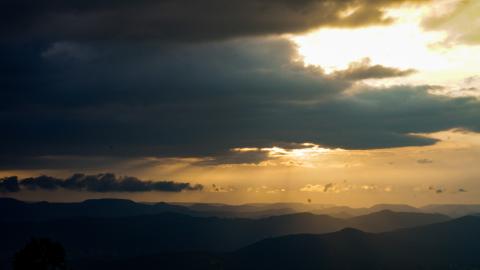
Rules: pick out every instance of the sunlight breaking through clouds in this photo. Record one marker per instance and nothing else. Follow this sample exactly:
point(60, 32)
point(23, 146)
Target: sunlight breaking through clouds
point(406, 44)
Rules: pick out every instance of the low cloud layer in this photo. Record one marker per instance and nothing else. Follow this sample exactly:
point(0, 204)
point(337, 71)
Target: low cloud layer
point(182, 20)
point(93, 183)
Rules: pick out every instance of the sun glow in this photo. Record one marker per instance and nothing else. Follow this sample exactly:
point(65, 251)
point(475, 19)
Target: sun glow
point(404, 45)
point(306, 151)
point(310, 150)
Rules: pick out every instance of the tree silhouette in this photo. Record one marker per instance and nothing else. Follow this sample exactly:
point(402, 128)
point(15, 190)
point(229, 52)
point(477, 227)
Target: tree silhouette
point(40, 254)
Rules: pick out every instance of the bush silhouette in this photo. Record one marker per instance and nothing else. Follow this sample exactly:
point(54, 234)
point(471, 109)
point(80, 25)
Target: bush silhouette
point(40, 254)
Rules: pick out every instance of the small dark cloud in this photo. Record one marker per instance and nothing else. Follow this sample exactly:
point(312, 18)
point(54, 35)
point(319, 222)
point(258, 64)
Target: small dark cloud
point(436, 190)
point(327, 187)
point(106, 182)
point(424, 161)
point(364, 70)
point(9, 184)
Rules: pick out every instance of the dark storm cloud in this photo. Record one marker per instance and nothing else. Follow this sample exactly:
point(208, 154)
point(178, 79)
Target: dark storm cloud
point(189, 100)
point(78, 163)
point(364, 70)
point(149, 100)
point(184, 20)
point(94, 183)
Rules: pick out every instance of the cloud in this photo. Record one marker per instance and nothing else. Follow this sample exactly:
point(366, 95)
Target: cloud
point(327, 187)
point(151, 100)
point(460, 23)
point(79, 163)
point(436, 190)
point(266, 190)
point(41, 182)
point(107, 182)
point(336, 188)
point(220, 189)
point(254, 156)
point(183, 20)
point(369, 187)
point(424, 161)
point(364, 70)
point(9, 184)
point(345, 187)
point(67, 51)
point(313, 188)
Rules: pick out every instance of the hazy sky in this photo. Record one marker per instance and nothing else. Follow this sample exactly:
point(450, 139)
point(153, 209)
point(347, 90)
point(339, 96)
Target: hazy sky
point(347, 102)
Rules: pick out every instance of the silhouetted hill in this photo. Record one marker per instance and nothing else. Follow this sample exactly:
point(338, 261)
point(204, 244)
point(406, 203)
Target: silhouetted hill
point(453, 210)
point(17, 210)
point(161, 232)
point(163, 261)
point(394, 207)
point(387, 220)
point(254, 207)
point(300, 223)
point(174, 232)
point(341, 211)
point(254, 210)
point(450, 245)
point(345, 211)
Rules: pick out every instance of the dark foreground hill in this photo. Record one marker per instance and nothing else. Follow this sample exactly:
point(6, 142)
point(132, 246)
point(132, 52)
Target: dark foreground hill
point(450, 245)
point(172, 232)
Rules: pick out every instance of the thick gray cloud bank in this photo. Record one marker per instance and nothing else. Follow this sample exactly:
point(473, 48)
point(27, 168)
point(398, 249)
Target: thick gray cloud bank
point(107, 182)
point(182, 20)
point(149, 99)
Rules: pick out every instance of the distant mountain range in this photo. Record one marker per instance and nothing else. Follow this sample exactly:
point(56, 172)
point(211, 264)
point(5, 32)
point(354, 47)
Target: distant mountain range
point(124, 228)
point(106, 232)
point(114, 236)
point(12, 209)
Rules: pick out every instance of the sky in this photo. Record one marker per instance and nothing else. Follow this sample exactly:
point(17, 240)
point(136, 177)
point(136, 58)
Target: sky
point(351, 102)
